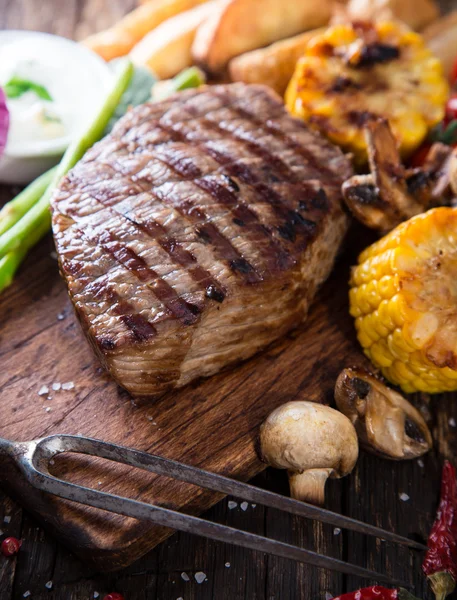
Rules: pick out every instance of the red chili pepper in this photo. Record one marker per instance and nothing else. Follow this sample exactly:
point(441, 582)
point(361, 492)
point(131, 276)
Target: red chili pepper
point(440, 563)
point(377, 592)
point(10, 546)
point(114, 596)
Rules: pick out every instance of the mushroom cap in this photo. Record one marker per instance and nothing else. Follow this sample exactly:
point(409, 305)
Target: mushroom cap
point(302, 435)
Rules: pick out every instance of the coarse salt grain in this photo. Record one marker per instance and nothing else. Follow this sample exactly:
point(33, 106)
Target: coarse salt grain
point(27, 594)
point(404, 497)
point(328, 596)
point(48, 585)
point(61, 316)
point(69, 385)
point(336, 531)
point(48, 409)
point(232, 504)
point(185, 576)
point(420, 462)
point(200, 576)
point(253, 505)
point(7, 519)
point(227, 564)
point(180, 598)
point(43, 390)
point(452, 422)
point(96, 594)
point(56, 386)
point(244, 506)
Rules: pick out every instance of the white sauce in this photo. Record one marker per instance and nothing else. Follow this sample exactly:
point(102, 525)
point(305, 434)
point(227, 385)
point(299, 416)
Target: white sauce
point(37, 124)
point(33, 119)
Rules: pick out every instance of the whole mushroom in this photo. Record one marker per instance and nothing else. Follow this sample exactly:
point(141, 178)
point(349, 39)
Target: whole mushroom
point(313, 442)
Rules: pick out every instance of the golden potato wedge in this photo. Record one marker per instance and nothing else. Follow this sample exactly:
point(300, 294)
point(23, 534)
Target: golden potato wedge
point(273, 65)
point(243, 25)
point(126, 33)
point(415, 13)
point(166, 50)
point(441, 38)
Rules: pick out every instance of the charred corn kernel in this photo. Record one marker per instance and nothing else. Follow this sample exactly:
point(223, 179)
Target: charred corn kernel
point(407, 310)
point(352, 71)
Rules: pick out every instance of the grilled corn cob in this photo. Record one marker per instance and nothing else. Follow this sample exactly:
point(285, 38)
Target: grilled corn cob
point(403, 297)
point(352, 71)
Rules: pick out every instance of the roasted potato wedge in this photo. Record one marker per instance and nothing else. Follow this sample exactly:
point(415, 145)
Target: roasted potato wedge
point(273, 65)
point(415, 13)
point(126, 33)
point(243, 25)
point(167, 49)
point(441, 37)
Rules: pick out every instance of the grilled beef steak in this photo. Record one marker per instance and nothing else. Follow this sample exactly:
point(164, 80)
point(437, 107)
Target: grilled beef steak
point(197, 232)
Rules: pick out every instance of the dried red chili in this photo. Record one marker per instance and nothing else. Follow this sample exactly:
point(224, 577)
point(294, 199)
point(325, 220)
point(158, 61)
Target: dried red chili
point(377, 592)
point(440, 563)
point(114, 596)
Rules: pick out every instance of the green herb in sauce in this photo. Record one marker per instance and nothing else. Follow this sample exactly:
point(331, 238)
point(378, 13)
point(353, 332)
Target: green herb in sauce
point(17, 86)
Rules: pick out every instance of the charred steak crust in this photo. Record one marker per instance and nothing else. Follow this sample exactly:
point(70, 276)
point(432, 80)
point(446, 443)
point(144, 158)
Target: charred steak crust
point(197, 232)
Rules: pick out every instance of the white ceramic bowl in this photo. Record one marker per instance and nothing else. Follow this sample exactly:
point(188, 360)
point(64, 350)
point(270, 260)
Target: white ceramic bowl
point(86, 76)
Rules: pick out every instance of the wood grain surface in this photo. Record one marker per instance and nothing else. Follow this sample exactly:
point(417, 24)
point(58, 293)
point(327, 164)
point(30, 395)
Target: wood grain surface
point(212, 424)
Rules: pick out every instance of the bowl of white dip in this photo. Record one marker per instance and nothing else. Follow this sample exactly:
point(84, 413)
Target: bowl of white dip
point(53, 87)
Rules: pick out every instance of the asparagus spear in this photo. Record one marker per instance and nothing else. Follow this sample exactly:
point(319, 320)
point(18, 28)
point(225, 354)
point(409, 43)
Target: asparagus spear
point(9, 265)
point(36, 222)
point(16, 209)
point(189, 78)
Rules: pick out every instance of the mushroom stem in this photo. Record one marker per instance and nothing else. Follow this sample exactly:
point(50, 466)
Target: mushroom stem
point(309, 486)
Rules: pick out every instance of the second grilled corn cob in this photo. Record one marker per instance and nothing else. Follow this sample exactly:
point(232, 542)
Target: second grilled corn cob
point(404, 299)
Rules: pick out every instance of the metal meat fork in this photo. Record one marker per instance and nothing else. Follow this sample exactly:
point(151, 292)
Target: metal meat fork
point(32, 459)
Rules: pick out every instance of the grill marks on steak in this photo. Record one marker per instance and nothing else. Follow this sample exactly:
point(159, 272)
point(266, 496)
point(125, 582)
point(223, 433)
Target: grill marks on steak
point(190, 204)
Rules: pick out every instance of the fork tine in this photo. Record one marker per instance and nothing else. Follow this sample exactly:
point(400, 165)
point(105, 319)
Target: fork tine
point(195, 525)
point(219, 483)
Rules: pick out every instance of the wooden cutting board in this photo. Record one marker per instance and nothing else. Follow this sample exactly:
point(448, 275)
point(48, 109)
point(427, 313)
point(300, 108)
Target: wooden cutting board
point(212, 424)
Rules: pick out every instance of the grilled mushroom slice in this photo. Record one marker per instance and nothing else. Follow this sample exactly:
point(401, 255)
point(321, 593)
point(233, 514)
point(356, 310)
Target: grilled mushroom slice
point(391, 193)
point(386, 423)
point(313, 442)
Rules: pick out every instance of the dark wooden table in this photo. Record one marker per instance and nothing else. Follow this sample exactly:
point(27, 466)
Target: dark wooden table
point(49, 571)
